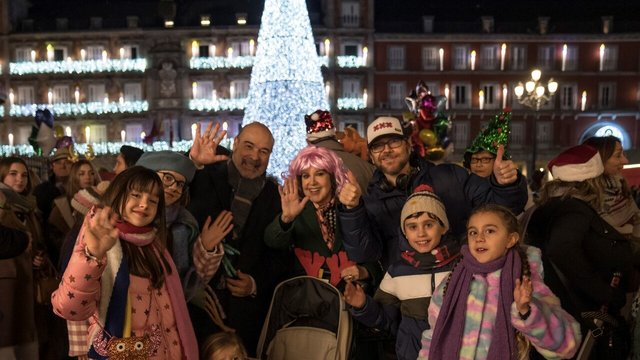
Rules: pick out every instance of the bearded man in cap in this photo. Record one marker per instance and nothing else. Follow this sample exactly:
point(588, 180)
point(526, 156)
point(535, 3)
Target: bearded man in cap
point(370, 222)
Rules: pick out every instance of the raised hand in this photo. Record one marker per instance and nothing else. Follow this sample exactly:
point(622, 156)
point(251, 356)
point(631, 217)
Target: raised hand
point(213, 232)
point(292, 204)
point(354, 295)
point(350, 194)
point(354, 272)
point(204, 148)
point(522, 294)
point(505, 171)
point(101, 234)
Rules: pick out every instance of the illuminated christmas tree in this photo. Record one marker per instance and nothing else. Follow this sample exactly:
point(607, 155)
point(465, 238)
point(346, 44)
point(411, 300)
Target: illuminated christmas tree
point(286, 81)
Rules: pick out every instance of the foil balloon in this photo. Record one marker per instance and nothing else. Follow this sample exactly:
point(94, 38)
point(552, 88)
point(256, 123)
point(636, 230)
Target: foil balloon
point(58, 131)
point(64, 142)
point(428, 137)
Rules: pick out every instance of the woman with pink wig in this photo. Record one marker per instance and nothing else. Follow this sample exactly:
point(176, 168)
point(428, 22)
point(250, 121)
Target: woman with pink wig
point(308, 222)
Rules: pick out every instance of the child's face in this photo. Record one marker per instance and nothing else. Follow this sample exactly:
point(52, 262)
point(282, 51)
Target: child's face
point(228, 353)
point(140, 208)
point(488, 237)
point(423, 233)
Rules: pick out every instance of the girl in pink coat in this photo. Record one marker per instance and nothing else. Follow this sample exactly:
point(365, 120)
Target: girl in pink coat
point(122, 278)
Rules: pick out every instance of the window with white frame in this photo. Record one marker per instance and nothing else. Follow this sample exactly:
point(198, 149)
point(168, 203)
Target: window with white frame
point(397, 93)
point(489, 57)
point(98, 133)
point(460, 57)
point(396, 57)
point(518, 57)
point(60, 53)
point(131, 52)
point(351, 88)
point(544, 133)
point(205, 89)
point(571, 60)
point(568, 96)
point(23, 135)
point(60, 94)
point(239, 89)
point(133, 132)
point(241, 48)
point(132, 92)
point(356, 124)
point(94, 52)
point(26, 95)
point(492, 95)
point(430, 58)
point(610, 59)
point(461, 95)
point(23, 54)
point(351, 48)
point(546, 57)
point(350, 13)
point(434, 87)
point(461, 129)
point(606, 95)
point(517, 135)
point(96, 92)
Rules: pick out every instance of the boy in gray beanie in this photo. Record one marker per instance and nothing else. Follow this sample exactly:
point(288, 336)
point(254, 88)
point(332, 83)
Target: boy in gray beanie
point(426, 259)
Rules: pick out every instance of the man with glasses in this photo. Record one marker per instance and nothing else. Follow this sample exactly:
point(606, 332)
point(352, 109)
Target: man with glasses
point(370, 222)
point(480, 163)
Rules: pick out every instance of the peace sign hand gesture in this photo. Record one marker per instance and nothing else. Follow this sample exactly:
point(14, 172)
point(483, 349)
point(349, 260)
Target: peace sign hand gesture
point(204, 147)
point(292, 204)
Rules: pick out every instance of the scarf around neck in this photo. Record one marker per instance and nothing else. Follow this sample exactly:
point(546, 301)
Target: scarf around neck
point(435, 259)
point(449, 328)
point(326, 215)
point(113, 310)
point(244, 192)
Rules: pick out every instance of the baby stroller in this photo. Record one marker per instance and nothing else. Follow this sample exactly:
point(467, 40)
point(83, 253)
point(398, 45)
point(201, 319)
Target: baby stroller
point(307, 320)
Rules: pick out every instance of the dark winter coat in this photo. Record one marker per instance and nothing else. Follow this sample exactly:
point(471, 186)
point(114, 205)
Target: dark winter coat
point(210, 194)
point(305, 237)
point(398, 307)
point(370, 229)
point(586, 250)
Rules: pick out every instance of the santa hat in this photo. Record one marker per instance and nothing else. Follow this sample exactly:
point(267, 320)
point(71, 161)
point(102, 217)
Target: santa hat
point(384, 125)
point(424, 200)
point(319, 125)
point(578, 163)
point(496, 133)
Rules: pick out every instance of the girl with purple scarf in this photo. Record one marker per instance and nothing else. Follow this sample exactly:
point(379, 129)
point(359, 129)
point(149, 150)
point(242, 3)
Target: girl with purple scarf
point(495, 305)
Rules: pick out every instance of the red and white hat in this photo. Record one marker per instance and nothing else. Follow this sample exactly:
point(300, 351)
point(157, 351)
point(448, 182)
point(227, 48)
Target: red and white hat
point(578, 163)
point(319, 125)
point(384, 125)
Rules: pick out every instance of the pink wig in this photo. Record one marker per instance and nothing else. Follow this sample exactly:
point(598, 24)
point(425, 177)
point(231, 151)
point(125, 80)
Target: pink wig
point(319, 158)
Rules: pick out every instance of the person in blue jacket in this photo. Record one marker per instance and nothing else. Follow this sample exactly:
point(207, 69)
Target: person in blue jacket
point(369, 223)
point(427, 256)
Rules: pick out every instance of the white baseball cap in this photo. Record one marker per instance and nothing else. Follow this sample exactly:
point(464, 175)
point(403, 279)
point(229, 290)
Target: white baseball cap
point(384, 125)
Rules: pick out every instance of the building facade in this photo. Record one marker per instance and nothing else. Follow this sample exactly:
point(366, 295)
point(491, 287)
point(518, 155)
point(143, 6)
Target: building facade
point(157, 68)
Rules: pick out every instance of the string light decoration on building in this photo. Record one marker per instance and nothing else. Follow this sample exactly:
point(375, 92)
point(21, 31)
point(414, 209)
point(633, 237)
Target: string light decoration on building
point(218, 104)
point(221, 62)
point(286, 82)
point(70, 109)
point(77, 66)
point(351, 103)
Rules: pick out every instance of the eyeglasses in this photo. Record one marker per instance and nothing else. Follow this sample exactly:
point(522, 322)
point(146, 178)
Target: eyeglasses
point(484, 160)
point(168, 180)
point(379, 146)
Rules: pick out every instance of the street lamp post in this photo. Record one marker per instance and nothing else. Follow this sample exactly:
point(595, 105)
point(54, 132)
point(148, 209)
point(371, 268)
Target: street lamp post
point(537, 95)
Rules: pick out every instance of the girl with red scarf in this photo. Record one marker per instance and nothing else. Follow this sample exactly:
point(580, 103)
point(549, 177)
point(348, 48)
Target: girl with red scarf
point(122, 278)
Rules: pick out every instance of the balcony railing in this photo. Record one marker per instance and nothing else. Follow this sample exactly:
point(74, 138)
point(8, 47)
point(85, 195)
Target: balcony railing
point(350, 61)
point(351, 103)
point(218, 104)
point(77, 66)
point(70, 109)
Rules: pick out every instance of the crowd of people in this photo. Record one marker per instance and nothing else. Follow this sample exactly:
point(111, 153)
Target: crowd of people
point(178, 256)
